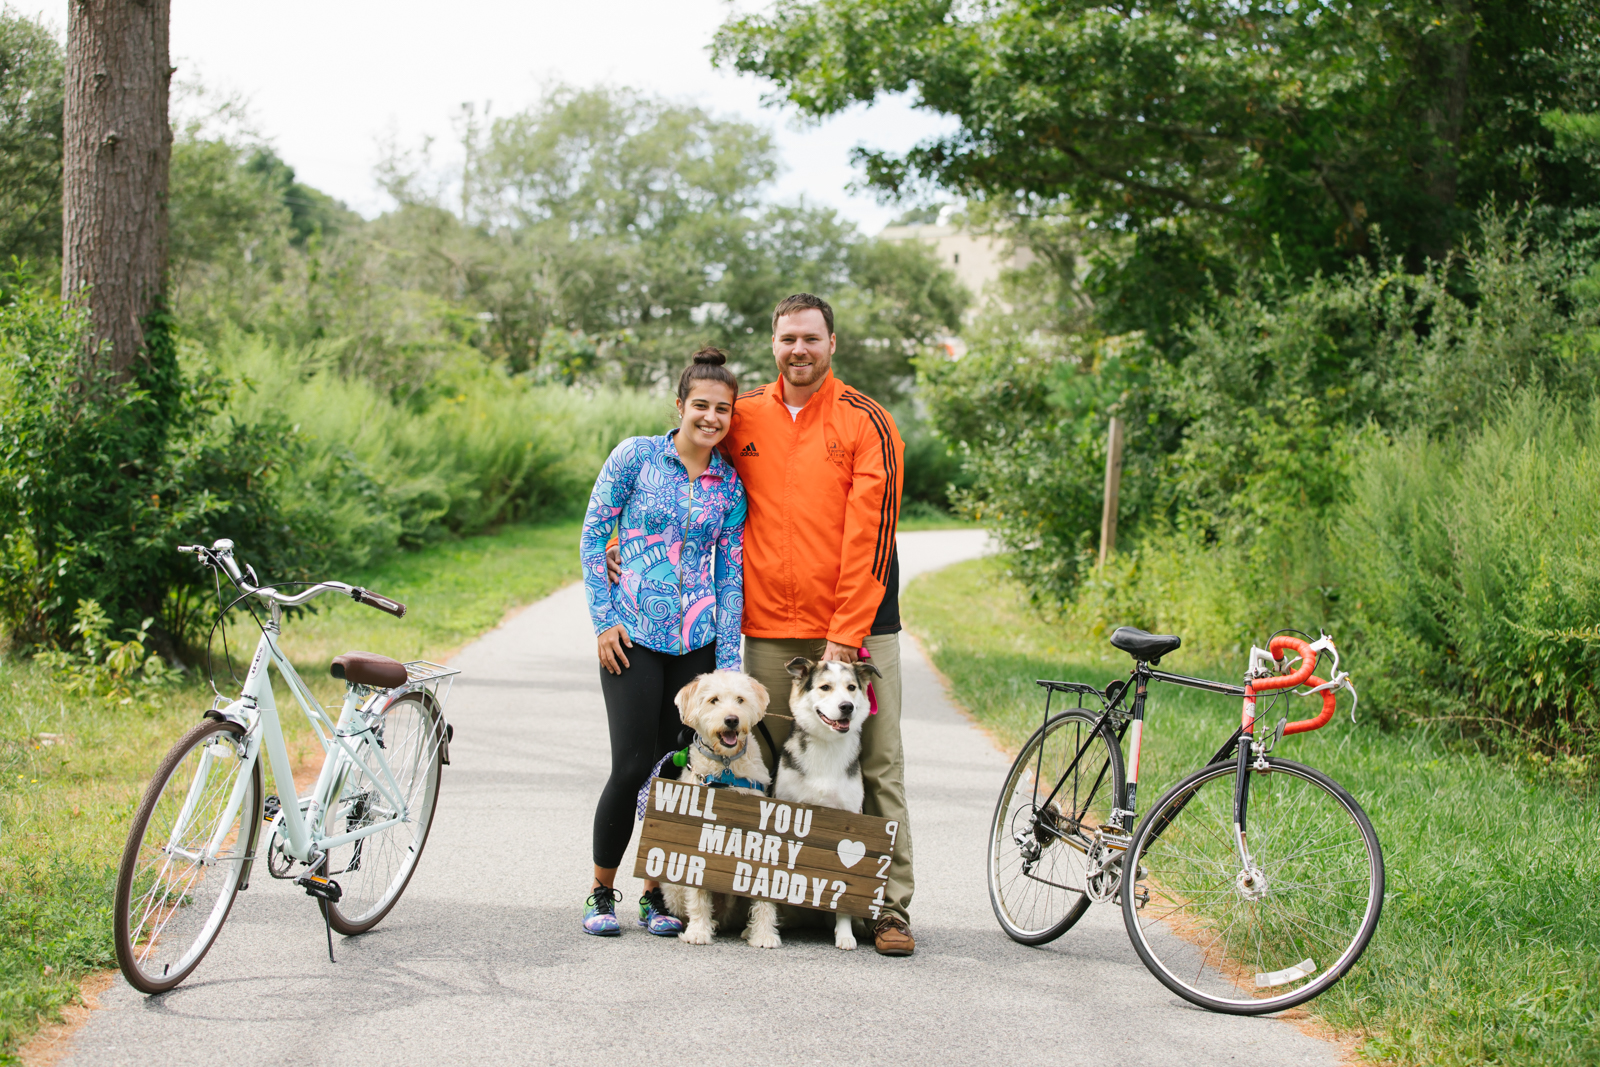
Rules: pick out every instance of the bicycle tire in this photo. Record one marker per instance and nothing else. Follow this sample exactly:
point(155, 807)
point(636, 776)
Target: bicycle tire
point(159, 946)
point(1035, 906)
point(1297, 922)
point(374, 871)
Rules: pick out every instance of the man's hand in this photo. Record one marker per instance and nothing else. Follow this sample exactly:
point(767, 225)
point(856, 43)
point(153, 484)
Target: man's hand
point(613, 564)
point(842, 653)
point(611, 653)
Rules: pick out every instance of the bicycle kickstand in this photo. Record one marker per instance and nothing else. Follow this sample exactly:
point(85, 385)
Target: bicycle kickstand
point(328, 892)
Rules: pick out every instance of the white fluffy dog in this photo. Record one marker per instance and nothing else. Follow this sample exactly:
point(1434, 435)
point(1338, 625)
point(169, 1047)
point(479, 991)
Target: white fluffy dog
point(721, 708)
point(821, 761)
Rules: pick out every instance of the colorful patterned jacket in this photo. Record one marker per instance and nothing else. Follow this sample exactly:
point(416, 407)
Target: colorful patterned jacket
point(682, 547)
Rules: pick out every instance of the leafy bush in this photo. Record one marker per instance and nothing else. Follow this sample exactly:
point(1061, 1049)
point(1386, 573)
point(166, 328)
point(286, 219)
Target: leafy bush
point(932, 469)
point(479, 448)
point(308, 469)
point(1470, 574)
point(1404, 459)
point(104, 665)
point(96, 477)
point(1028, 418)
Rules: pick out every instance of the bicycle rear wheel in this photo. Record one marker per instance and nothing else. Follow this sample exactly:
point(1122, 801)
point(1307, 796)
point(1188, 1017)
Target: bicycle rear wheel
point(373, 871)
point(1257, 940)
point(173, 894)
point(1038, 844)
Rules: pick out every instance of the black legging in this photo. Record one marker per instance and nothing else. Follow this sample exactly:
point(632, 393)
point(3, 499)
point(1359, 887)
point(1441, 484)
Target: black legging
point(644, 727)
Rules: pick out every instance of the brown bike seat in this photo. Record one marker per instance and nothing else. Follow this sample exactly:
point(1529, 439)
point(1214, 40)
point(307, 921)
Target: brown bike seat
point(369, 668)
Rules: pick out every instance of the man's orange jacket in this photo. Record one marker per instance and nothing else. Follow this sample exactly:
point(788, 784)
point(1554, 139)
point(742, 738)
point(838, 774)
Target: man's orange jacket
point(823, 492)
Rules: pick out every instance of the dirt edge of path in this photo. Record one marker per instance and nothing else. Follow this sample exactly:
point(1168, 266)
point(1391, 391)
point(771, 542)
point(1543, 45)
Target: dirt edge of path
point(53, 1042)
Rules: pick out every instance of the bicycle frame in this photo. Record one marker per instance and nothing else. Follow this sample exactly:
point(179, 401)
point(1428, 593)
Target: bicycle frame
point(1261, 679)
point(1124, 809)
point(256, 710)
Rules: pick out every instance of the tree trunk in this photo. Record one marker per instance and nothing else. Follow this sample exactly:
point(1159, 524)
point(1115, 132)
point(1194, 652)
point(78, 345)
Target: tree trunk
point(118, 147)
point(1446, 116)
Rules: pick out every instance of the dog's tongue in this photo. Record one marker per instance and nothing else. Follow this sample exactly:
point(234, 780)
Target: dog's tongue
point(730, 739)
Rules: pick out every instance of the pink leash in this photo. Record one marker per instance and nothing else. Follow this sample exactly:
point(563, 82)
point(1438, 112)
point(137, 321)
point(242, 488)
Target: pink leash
point(872, 696)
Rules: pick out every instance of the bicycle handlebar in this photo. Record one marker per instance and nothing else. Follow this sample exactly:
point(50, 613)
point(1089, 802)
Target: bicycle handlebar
point(1301, 674)
point(220, 554)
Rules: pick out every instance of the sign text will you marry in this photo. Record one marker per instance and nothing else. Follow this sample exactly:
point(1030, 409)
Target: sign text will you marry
point(777, 850)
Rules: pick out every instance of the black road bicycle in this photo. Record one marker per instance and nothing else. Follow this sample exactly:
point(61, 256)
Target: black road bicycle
point(1258, 881)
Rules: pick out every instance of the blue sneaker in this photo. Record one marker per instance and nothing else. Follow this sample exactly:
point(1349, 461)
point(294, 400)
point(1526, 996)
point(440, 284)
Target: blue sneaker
point(653, 915)
point(600, 912)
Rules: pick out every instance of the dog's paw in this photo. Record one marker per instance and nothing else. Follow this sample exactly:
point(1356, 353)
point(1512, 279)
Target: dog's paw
point(763, 939)
point(696, 935)
point(845, 940)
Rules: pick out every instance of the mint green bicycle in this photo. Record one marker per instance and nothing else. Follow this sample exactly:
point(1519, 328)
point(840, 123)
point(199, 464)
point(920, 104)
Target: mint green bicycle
point(352, 842)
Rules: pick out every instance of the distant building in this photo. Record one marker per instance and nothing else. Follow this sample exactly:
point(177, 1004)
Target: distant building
point(977, 259)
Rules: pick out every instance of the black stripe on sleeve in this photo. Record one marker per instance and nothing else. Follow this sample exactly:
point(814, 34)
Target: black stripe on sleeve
point(889, 507)
point(883, 549)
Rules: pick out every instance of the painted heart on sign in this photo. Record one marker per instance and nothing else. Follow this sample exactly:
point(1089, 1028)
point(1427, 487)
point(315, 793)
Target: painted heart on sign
point(850, 852)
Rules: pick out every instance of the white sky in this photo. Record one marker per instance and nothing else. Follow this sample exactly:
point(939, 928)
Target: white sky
point(326, 81)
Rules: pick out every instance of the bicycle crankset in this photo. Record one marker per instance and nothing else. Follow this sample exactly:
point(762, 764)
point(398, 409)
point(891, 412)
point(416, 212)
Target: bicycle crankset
point(1102, 873)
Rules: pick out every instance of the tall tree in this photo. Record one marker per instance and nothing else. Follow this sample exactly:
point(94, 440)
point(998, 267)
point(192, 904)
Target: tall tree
point(117, 153)
point(30, 141)
point(1309, 121)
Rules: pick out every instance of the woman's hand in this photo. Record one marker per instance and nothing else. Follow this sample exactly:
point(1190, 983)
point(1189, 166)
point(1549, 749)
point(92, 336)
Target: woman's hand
point(611, 644)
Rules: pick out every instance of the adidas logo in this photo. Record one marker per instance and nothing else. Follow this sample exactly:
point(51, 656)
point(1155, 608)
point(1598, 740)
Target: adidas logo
point(749, 450)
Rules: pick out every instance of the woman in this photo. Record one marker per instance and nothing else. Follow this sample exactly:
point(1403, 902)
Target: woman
point(678, 509)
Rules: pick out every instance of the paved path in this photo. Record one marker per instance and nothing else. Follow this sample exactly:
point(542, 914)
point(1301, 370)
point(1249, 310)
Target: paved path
point(483, 960)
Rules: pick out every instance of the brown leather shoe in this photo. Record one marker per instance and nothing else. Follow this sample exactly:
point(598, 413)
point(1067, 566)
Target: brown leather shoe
point(893, 937)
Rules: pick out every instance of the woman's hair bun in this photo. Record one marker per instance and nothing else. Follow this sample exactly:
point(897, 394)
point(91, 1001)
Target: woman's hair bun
point(707, 366)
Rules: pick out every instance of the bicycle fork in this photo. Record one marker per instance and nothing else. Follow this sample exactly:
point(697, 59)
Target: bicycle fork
point(1251, 881)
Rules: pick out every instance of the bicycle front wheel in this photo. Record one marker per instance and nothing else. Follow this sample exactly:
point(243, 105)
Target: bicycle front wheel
point(191, 843)
point(1039, 842)
point(372, 871)
point(1247, 939)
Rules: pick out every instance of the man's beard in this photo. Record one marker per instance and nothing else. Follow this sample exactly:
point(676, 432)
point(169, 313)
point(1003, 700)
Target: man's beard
point(804, 376)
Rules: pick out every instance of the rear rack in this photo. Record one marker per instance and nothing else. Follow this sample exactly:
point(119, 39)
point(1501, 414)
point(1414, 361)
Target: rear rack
point(425, 675)
point(1108, 698)
point(1082, 688)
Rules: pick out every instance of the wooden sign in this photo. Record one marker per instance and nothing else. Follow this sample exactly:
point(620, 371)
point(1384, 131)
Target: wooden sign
point(764, 849)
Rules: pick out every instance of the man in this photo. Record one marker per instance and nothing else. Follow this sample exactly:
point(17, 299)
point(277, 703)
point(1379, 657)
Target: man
point(821, 466)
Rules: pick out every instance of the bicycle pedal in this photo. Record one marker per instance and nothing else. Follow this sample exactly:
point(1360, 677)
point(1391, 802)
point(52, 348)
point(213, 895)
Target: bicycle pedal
point(270, 808)
point(320, 887)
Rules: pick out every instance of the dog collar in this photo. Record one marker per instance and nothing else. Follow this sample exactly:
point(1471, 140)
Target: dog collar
point(726, 761)
point(725, 778)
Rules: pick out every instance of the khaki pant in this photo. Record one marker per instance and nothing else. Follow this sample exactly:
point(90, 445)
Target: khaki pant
point(883, 762)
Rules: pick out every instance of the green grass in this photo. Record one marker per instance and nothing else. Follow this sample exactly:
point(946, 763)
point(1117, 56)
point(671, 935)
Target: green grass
point(914, 523)
point(1489, 947)
point(72, 768)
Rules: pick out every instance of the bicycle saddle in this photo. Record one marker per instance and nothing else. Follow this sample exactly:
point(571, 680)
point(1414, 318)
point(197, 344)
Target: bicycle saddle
point(1146, 647)
point(369, 668)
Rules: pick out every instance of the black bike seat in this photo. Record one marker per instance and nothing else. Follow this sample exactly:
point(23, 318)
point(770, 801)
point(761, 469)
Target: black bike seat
point(369, 668)
point(1146, 647)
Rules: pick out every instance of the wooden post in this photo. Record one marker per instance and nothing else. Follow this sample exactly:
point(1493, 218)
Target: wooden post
point(1108, 517)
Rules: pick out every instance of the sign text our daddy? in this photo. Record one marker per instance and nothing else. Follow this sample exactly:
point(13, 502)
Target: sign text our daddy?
point(777, 850)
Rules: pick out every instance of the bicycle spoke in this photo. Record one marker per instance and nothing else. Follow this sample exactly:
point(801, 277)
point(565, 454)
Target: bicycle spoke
point(1235, 940)
point(170, 899)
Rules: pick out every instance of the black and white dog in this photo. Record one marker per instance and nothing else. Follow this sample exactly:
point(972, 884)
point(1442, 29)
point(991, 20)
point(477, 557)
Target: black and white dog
point(821, 761)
